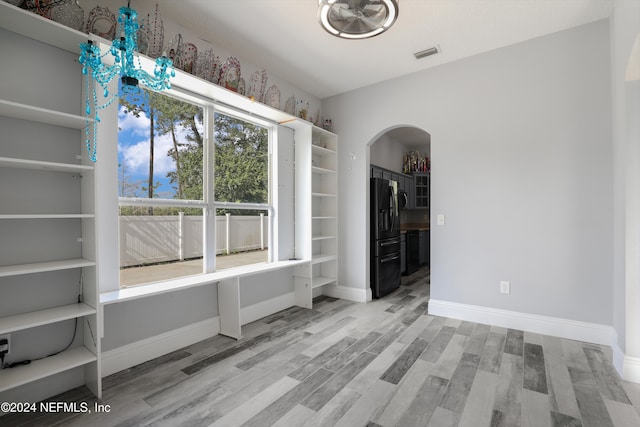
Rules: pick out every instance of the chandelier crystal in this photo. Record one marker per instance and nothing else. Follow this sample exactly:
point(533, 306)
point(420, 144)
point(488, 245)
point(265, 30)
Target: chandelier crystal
point(126, 64)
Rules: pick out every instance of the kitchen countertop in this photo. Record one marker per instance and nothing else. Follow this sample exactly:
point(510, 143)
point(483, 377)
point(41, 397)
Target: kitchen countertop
point(414, 226)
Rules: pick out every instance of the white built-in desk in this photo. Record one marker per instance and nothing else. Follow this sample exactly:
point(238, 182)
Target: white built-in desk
point(229, 284)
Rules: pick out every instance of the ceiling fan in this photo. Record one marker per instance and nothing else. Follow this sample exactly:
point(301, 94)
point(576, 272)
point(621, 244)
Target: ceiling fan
point(357, 19)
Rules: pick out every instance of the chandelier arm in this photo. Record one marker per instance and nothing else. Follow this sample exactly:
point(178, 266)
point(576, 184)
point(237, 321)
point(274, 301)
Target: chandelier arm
point(124, 51)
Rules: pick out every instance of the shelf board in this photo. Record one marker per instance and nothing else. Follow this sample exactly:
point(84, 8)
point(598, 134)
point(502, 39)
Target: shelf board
point(34, 26)
point(39, 267)
point(322, 131)
point(38, 369)
point(8, 162)
point(46, 216)
point(320, 258)
point(322, 150)
point(41, 115)
point(319, 170)
point(319, 281)
point(322, 237)
point(44, 317)
point(322, 195)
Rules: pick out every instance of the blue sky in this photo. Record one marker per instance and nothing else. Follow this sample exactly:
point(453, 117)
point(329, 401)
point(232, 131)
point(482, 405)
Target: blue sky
point(133, 153)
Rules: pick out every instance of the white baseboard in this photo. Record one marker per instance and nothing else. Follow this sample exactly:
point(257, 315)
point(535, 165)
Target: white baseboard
point(265, 308)
point(138, 352)
point(555, 326)
point(627, 366)
point(348, 293)
point(631, 369)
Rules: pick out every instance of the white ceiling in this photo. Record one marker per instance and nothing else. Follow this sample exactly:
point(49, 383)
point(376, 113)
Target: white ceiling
point(284, 37)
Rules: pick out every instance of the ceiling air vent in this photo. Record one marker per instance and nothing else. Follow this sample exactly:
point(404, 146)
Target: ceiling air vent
point(427, 52)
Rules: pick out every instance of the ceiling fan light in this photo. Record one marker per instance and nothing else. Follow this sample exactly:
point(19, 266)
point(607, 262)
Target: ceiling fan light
point(357, 19)
point(361, 36)
point(393, 13)
point(324, 19)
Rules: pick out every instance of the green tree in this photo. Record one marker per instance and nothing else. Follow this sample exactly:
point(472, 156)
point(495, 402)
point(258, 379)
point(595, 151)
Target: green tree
point(175, 116)
point(241, 161)
point(241, 150)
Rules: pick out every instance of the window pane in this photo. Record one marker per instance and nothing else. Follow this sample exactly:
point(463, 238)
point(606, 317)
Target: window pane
point(242, 238)
point(241, 161)
point(159, 244)
point(159, 147)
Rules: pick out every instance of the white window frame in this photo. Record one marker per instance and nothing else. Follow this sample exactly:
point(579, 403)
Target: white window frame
point(208, 202)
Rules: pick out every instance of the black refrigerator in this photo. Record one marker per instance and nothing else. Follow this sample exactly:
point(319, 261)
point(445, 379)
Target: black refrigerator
point(385, 237)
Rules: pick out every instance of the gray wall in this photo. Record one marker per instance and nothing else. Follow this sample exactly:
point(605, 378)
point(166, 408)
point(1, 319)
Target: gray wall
point(521, 167)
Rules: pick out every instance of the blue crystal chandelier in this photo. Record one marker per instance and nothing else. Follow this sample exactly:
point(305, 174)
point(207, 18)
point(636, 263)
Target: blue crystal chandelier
point(126, 64)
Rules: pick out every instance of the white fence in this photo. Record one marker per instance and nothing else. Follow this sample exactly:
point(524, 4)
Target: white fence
point(153, 239)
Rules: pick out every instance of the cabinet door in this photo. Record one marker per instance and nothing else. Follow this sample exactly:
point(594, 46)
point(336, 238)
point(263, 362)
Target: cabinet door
point(422, 251)
point(401, 183)
point(427, 246)
point(422, 191)
point(403, 254)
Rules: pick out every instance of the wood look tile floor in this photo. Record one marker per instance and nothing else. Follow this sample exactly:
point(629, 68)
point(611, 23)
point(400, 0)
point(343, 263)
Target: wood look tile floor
point(385, 363)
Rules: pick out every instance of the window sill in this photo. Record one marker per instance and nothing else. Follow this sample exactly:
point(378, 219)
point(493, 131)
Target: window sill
point(143, 291)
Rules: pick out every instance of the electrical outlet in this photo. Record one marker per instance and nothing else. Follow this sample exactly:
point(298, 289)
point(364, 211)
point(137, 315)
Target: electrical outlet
point(8, 343)
point(505, 287)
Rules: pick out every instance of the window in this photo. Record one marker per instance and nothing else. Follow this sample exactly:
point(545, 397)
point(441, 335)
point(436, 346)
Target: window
point(167, 147)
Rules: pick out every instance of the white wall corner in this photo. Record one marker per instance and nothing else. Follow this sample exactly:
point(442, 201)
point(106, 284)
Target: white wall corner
point(348, 293)
point(138, 352)
point(631, 369)
point(627, 366)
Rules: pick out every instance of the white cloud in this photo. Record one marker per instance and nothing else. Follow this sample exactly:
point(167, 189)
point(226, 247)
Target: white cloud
point(127, 121)
point(136, 156)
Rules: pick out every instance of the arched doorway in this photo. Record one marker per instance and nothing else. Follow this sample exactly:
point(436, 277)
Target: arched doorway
point(401, 155)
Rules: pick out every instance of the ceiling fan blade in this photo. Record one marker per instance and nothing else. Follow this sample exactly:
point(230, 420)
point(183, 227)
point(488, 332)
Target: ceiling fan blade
point(358, 21)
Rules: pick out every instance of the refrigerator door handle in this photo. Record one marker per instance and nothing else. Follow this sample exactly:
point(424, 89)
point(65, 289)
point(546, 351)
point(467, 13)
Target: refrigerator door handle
point(394, 208)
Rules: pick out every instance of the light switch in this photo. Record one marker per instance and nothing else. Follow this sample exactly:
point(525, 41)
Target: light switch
point(440, 219)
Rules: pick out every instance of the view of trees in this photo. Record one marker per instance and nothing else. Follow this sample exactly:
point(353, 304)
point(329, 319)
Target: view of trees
point(241, 152)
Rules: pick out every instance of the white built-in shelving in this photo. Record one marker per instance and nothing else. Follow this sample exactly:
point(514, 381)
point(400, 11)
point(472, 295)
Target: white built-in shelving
point(44, 267)
point(7, 162)
point(39, 369)
point(47, 215)
point(32, 113)
point(43, 317)
point(317, 211)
